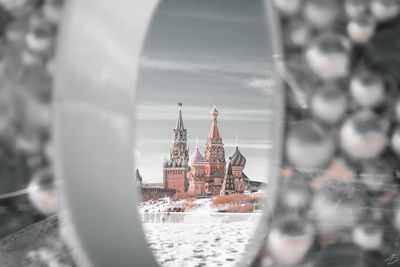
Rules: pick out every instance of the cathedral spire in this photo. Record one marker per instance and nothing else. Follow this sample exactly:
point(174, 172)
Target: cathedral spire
point(179, 124)
point(214, 136)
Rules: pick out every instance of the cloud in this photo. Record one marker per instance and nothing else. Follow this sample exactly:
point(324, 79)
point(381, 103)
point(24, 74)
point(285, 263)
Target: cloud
point(169, 112)
point(264, 85)
point(205, 64)
point(228, 143)
point(212, 17)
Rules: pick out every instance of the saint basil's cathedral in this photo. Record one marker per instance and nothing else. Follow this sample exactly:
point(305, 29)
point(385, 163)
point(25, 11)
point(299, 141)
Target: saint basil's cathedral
point(204, 175)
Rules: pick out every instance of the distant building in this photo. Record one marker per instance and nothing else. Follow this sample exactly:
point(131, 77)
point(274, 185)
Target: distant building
point(176, 167)
point(204, 175)
point(138, 178)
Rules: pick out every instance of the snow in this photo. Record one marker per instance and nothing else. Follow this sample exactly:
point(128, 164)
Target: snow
point(199, 241)
point(199, 237)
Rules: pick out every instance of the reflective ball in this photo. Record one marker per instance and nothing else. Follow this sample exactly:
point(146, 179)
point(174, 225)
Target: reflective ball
point(295, 194)
point(329, 104)
point(30, 58)
point(368, 237)
point(337, 205)
point(328, 56)
point(346, 255)
point(321, 13)
point(289, 240)
point(396, 213)
point(40, 40)
point(288, 7)
point(41, 191)
point(364, 135)
point(299, 33)
point(52, 11)
point(361, 29)
point(18, 8)
point(397, 110)
point(395, 141)
point(384, 10)
point(355, 8)
point(308, 146)
point(16, 31)
point(27, 143)
point(367, 89)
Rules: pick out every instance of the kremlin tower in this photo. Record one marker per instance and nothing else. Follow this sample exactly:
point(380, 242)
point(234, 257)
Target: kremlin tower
point(203, 175)
point(176, 167)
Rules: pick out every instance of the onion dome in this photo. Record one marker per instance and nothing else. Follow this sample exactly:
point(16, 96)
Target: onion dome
point(197, 158)
point(237, 159)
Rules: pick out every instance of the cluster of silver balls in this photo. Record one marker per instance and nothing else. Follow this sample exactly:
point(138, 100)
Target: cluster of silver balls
point(28, 30)
point(326, 210)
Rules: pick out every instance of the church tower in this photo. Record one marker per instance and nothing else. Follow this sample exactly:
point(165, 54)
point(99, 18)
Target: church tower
point(176, 167)
point(214, 155)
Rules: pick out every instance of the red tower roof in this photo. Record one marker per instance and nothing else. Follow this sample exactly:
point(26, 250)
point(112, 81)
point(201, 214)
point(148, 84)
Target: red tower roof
point(214, 133)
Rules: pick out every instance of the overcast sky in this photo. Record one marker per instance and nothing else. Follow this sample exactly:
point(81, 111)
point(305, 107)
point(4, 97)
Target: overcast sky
point(205, 53)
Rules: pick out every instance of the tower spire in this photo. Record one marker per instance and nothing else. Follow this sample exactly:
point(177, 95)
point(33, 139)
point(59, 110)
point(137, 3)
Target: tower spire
point(236, 141)
point(179, 124)
point(214, 136)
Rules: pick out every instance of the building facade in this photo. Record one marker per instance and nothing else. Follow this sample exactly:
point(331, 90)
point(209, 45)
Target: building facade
point(208, 174)
point(175, 168)
point(205, 175)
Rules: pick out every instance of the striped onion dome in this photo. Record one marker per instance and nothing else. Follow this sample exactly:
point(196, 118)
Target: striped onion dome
point(237, 159)
point(197, 158)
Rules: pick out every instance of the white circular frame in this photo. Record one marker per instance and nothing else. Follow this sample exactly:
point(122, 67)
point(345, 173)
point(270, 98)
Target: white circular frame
point(97, 63)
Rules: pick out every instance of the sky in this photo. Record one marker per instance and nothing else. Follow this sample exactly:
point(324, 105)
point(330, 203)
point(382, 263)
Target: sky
point(205, 53)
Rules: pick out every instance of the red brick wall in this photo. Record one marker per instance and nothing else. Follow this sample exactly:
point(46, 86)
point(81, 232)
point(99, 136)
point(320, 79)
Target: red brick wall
point(156, 193)
point(175, 179)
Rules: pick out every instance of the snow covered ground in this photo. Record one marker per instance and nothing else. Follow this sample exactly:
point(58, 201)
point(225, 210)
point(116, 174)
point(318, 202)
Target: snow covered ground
point(200, 237)
point(201, 240)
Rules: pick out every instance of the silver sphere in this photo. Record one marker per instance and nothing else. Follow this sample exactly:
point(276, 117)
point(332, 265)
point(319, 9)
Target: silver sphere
point(368, 237)
point(376, 175)
point(288, 7)
point(290, 239)
point(355, 8)
point(308, 146)
point(364, 135)
point(299, 32)
point(337, 205)
point(329, 104)
point(41, 191)
point(395, 141)
point(361, 29)
point(15, 32)
point(295, 194)
point(384, 10)
point(52, 11)
point(397, 110)
point(40, 40)
point(329, 56)
point(18, 8)
point(321, 13)
point(30, 58)
point(367, 89)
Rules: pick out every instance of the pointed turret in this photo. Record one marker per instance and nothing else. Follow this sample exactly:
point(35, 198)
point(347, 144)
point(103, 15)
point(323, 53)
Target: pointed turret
point(138, 178)
point(228, 185)
point(176, 167)
point(213, 136)
point(179, 123)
